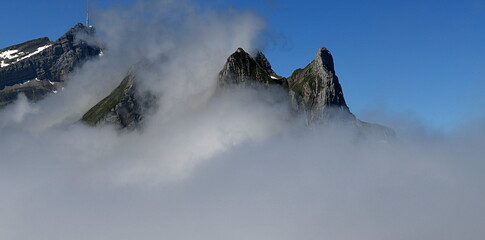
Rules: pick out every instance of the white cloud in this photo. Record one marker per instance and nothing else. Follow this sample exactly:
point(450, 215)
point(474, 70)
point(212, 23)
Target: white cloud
point(236, 164)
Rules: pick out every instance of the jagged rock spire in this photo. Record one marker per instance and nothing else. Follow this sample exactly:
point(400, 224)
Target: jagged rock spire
point(316, 90)
point(324, 58)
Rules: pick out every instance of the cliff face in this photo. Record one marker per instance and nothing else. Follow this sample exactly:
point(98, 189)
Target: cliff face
point(43, 61)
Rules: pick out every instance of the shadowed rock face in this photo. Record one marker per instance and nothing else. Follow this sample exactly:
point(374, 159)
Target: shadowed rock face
point(44, 61)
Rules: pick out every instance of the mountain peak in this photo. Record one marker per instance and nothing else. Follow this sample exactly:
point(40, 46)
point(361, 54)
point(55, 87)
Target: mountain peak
point(316, 88)
point(74, 30)
point(324, 58)
point(242, 68)
point(38, 67)
point(263, 62)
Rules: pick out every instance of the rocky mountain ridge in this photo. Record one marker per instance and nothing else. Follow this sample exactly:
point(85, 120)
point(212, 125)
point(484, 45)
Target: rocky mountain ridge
point(40, 67)
point(314, 91)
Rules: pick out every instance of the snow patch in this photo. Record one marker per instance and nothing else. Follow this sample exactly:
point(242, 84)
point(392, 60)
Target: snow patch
point(19, 56)
point(25, 82)
point(9, 54)
point(40, 49)
point(273, 77)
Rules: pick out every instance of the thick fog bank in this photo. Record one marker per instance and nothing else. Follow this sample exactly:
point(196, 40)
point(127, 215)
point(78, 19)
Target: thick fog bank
point(232, 164)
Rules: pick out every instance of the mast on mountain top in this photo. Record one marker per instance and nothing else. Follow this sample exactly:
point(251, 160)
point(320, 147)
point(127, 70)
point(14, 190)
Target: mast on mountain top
point(87, 14)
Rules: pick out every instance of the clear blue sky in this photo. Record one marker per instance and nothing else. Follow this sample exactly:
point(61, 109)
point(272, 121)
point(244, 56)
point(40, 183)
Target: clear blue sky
point(423, 58)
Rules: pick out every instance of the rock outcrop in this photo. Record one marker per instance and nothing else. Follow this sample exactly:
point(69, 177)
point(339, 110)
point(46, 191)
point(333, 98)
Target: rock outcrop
point(43, 61)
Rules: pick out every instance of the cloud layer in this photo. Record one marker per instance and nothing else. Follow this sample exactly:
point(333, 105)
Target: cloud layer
point(235, 164)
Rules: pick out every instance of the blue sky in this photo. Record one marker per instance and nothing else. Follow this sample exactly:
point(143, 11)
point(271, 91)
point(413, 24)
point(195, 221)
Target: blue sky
point(424, 59)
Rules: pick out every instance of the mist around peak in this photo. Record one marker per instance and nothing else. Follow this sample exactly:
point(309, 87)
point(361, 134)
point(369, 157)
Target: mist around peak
point(235, 164)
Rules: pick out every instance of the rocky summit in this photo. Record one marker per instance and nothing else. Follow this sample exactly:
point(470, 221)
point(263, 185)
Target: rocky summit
point(40, 67)
point(314, 91)
point(243, 69)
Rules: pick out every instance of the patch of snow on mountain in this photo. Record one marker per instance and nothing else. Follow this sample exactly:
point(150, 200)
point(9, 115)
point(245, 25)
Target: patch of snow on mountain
point(9, 54)
point(273, 77)
point(19, 56)
point(25, 82)
point(40, 49)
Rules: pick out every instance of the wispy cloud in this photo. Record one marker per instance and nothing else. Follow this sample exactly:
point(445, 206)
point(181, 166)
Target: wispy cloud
point(236, 164)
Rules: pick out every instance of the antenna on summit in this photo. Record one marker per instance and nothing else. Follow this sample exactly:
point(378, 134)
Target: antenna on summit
point(87, 14)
